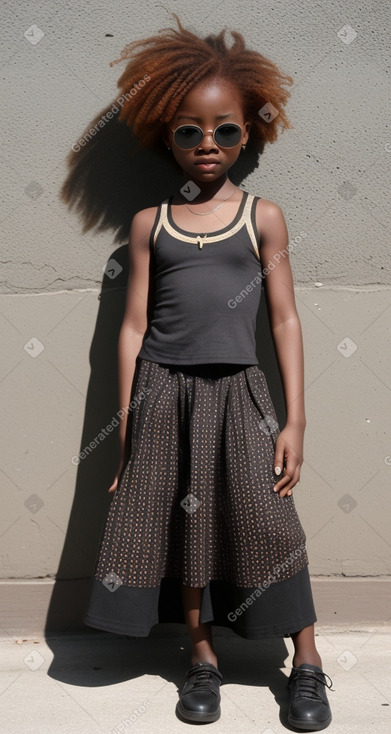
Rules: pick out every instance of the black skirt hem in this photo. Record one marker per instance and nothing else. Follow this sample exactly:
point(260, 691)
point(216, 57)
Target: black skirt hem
point(256, 633)
point(283, 608)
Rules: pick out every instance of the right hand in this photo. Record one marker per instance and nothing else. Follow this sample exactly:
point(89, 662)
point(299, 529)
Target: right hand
point(117, 476)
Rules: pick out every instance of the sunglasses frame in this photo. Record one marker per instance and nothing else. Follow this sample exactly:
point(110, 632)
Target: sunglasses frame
point(222, 124)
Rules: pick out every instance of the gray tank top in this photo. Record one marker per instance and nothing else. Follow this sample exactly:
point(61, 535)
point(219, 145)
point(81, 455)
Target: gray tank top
point(207, 291)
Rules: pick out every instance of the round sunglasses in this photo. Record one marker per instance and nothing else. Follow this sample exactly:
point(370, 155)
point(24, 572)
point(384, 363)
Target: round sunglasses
point(226, 135)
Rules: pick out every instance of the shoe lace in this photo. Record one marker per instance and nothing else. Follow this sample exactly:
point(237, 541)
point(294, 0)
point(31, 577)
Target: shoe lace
point(309, 679)
point(202, 679)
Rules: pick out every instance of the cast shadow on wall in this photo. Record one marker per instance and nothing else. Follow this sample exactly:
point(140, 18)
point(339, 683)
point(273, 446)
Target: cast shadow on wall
point(108, 182)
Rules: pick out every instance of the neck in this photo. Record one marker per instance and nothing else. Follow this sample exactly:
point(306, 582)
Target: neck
point(222, 186)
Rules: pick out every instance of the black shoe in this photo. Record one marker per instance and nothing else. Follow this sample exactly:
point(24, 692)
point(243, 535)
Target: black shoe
point(309, 708)
point(199, 699)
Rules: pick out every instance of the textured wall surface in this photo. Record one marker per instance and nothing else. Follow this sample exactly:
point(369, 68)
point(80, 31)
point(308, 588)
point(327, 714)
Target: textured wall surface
point(61, 313)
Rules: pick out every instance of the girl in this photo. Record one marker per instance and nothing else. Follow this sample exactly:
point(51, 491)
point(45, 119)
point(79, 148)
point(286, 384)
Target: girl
point(202, 526)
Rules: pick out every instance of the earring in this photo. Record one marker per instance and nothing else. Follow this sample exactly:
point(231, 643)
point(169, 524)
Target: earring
point(168, 147)
point(243, 147)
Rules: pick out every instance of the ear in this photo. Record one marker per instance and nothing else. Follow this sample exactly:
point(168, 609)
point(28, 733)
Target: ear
point(246, 135)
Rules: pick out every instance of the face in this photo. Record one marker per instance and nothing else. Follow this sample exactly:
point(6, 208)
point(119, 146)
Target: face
point(208, 105)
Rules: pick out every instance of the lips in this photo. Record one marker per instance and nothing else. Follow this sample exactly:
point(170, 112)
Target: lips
point(206, 161)
point(207, 165)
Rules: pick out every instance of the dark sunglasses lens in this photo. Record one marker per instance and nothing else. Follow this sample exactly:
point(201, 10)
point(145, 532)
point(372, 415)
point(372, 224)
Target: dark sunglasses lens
point(188, 136)
point(228, 135)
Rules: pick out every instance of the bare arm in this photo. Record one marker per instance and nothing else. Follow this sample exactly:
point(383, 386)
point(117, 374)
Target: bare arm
point(139, 299)
point(288, 341)
point(285, 323)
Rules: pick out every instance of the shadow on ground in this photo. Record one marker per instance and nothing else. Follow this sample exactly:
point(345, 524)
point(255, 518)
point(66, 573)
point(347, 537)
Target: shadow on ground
point(101, 659)
point(108, 182)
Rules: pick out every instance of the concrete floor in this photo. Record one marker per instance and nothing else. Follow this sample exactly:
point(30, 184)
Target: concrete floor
point(97, 682)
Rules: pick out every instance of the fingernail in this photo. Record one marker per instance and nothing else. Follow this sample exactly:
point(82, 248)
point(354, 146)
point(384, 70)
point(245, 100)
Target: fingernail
point(277, 470)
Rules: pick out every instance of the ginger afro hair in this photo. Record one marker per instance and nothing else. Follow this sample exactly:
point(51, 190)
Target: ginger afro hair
point(171, 63)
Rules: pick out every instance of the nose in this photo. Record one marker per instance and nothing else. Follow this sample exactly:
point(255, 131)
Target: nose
point(207, 141)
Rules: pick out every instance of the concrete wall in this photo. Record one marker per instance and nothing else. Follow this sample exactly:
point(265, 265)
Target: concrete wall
point(61, 314)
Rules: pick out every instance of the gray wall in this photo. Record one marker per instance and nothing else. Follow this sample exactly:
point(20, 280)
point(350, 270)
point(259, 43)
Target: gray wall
point(61, 314)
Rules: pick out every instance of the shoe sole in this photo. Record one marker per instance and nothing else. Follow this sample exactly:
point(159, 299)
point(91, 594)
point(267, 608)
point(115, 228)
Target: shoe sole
point(307, 726)
point(197, 715)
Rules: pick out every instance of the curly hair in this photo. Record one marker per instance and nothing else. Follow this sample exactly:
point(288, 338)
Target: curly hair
point(167, 66)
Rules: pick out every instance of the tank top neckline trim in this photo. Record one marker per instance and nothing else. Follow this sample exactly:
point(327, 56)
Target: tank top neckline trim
point(215, 233)
point(245, 217)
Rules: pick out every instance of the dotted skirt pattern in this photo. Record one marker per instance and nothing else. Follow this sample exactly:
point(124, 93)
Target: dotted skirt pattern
point(196, 499)
point(195, 505)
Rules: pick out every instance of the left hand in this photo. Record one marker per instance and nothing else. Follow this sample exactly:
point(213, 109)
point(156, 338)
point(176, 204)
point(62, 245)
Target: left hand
point(289, 457)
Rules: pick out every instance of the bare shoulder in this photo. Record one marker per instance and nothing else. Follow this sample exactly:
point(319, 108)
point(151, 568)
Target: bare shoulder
point(141, 225)
point(145, 216)
point(269, 217)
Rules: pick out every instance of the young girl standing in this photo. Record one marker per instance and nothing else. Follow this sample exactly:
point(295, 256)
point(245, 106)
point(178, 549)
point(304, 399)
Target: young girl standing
point(198, 512)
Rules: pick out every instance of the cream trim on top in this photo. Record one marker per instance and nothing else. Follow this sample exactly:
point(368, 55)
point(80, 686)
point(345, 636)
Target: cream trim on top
point(200, 240)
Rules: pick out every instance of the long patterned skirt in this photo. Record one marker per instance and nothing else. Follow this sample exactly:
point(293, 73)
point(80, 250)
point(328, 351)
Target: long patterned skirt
point(195, 506)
